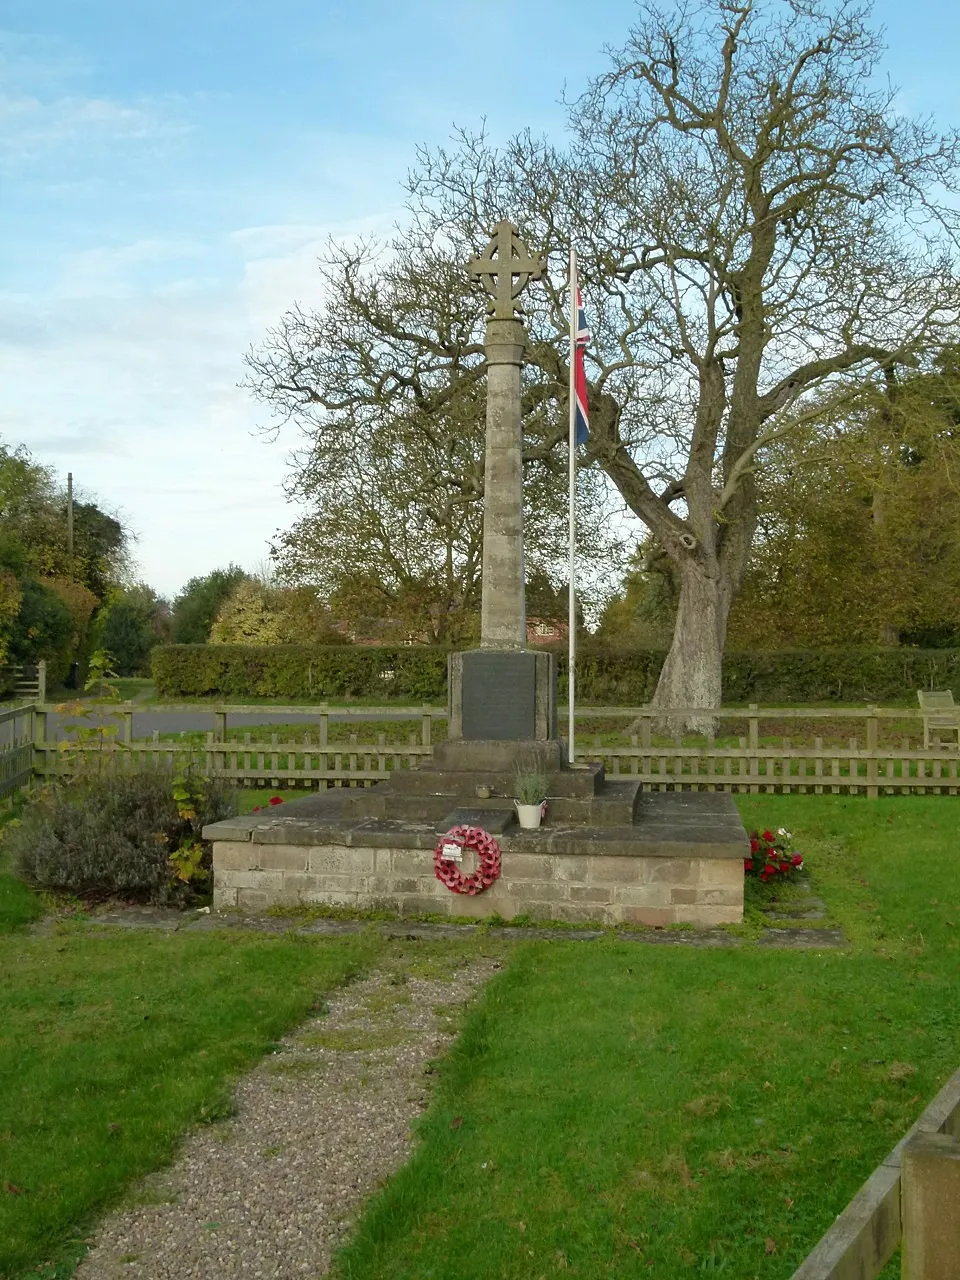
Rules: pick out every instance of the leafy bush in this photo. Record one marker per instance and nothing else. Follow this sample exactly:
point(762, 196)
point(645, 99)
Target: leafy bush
point(127, 633)
point(43, 628)
point(198, 603)
point(113, 835)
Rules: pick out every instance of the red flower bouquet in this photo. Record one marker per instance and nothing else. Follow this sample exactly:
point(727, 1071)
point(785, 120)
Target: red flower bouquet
point(771, 856)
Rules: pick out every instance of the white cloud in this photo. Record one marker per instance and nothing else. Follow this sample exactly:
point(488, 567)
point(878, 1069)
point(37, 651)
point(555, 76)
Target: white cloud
point(134, 389)
point(30, 127)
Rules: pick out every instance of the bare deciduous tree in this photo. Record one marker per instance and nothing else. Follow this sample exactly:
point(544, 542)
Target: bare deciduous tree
point(387, 385)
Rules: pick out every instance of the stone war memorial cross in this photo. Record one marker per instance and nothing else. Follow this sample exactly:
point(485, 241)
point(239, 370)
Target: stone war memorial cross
point(504, 270)
point(502, 691)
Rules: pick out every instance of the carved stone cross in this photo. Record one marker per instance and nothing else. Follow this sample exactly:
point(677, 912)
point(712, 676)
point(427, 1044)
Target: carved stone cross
point(505, 268)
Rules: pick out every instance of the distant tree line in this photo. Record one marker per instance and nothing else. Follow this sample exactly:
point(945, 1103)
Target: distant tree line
point(59, 600)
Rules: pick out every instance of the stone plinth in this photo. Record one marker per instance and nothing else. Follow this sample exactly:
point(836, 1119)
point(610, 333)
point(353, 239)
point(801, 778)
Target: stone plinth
point(502, 695)
point(680, 860)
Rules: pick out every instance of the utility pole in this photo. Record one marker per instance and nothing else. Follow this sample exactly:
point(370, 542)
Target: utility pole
point(70, 523)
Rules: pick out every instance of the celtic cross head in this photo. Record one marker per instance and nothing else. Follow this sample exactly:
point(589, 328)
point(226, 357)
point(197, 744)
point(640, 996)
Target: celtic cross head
point(505, 268)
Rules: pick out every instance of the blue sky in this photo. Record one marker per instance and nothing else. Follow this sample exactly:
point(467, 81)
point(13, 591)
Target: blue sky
point(169, 173)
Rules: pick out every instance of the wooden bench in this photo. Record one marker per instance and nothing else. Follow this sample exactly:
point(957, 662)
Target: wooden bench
point(939, 713)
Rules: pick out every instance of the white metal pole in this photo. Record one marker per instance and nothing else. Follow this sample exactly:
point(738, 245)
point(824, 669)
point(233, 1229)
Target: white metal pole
point(572, 593)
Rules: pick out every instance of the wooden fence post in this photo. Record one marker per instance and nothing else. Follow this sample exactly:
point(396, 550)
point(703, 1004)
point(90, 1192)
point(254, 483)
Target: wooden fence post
point(872, 738)
point(323, 727)
point(127, 726)
point(39, 735)
point(930, 1207)
point(754, 728)
point(425, 724)
point(220, 725)
point(42, 680)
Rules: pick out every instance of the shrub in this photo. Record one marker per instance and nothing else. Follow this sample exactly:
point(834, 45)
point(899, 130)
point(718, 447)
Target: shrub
point(605, 677)
point(43, 628)
point(112, 835)
point(414, 673)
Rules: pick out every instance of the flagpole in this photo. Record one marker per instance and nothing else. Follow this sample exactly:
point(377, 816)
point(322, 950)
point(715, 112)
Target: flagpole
point(571, 594)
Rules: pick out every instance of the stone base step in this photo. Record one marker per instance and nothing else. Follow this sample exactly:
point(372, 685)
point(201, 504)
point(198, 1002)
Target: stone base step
point(583, 781)
point(613, 806)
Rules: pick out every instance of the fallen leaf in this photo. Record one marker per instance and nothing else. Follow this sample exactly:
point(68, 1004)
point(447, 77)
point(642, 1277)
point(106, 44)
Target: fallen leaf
point(901, 1071)
point(708, 1105)
point(769, 1246)
point(788, 1202)
point(676, 1165)
point(456, 1122)
point(12, 1189)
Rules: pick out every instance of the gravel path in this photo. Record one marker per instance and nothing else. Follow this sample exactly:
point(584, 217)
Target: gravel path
point(319, 1125)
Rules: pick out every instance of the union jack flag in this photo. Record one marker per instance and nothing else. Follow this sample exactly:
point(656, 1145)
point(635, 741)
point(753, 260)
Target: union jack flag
point(581, 338)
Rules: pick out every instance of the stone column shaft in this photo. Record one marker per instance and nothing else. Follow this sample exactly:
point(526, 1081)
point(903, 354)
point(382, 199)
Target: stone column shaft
point(503, 623)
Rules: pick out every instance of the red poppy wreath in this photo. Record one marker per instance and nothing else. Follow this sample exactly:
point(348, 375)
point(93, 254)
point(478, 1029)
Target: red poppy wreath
point(447, 869)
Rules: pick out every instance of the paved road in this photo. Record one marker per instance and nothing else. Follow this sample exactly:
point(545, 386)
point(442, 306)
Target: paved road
point(145, 722)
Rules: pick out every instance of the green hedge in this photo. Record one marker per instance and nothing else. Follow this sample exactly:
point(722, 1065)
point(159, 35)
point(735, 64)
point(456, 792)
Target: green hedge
point(604, 677)
point(842, 675)
point(417, 674)
point(611, 677)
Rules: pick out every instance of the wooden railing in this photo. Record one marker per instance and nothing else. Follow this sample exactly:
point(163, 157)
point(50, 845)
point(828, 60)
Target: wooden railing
point(753, 767)
point(28, 681)
point(870, 1229)
point(870, 762)
point(312, 762)
point(16, 749)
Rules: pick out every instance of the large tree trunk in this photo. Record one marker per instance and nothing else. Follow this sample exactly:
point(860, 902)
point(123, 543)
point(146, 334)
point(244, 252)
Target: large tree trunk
point(691, 674)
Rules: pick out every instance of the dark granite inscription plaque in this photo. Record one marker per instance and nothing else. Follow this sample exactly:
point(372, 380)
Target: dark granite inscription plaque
point(499, 695)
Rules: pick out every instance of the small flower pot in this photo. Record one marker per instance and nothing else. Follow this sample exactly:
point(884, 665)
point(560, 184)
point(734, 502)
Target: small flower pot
point(529, 815)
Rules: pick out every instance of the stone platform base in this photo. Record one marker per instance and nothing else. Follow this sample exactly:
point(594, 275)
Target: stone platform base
point(680, 861)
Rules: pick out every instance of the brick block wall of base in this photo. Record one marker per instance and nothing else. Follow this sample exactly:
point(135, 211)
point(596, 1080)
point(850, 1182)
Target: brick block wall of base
point(617, 889)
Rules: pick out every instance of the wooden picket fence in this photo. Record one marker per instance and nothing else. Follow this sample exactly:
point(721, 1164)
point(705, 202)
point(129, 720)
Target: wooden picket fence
point(751, 763)
point(16, 749)
point(27, 681)
point(803, 768)
point(313, 762)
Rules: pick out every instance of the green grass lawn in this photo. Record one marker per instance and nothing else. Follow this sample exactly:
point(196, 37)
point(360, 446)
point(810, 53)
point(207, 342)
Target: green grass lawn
point(627, 1111)
point(18, 905)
